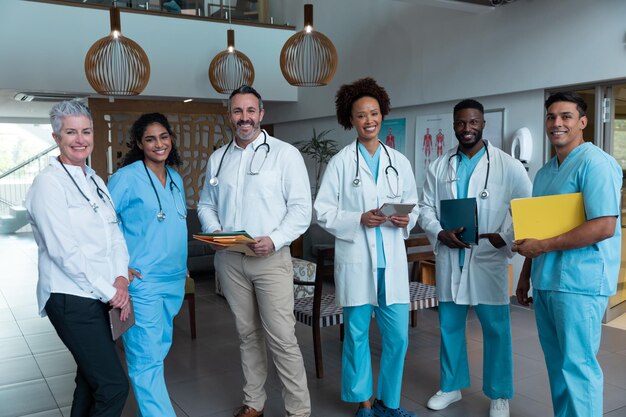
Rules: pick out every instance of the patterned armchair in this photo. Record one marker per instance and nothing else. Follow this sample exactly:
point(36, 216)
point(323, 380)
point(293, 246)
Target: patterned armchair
point(303, 271)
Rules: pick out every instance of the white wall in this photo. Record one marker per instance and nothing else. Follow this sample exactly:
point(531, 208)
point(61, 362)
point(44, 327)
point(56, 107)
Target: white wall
point(43, 47)
point(421, 54)
point(426, 54)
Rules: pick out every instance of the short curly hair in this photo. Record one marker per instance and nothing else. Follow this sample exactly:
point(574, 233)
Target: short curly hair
point(349, 93)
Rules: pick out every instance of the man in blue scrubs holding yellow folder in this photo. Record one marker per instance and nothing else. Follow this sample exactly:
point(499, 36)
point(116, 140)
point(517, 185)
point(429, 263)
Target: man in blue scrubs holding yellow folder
point(574, 273)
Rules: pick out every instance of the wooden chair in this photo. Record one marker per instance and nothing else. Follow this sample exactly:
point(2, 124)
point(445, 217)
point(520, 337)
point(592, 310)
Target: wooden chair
point(318, 311)
point(423, 295)
point(190, 296)
point(418, 249)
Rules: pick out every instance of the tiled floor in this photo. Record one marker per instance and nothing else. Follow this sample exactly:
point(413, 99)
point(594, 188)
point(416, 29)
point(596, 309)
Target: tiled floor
point(204, 377)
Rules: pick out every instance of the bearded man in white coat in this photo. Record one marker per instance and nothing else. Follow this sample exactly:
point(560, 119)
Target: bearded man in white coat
point(474, 274)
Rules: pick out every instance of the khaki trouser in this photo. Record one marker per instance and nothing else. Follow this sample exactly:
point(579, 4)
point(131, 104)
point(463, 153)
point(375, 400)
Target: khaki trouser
point(259, 291)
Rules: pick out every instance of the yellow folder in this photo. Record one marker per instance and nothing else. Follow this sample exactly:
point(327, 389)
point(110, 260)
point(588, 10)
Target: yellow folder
point(548, 216)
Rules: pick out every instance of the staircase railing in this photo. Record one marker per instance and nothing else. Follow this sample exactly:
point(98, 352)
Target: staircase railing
point(15, 182)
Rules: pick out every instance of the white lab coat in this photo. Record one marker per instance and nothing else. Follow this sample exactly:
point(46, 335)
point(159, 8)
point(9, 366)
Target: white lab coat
point(484, 277)
point(338, 208)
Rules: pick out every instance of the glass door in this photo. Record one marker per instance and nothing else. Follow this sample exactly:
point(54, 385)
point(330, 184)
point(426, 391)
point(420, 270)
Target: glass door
point(613, 105)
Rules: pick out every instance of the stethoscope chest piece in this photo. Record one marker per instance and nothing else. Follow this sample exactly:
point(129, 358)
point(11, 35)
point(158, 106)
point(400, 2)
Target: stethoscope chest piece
point(484, 194)
point(213, 182)
point(356, 182)
point(160, 216)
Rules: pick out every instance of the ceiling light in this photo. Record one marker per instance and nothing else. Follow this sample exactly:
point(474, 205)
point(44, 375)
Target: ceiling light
point(116, 65)
point(230, 69)
point(308, 58)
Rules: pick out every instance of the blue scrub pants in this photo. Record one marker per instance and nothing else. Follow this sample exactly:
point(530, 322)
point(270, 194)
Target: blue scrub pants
point(356, 370)
point(146, 343)
point(570, 328)
point(495, 321)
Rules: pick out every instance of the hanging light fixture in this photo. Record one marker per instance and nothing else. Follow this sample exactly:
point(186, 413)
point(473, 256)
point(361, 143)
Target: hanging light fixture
point(308, 58)
point(116, 65)
point(230, 69)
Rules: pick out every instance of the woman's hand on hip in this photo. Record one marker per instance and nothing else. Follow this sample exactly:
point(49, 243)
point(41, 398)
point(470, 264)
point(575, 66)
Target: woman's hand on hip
point(132, 274)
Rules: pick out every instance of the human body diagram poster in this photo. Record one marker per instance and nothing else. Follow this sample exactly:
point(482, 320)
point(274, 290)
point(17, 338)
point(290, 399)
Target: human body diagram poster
point(393, 132)
point(434, 135)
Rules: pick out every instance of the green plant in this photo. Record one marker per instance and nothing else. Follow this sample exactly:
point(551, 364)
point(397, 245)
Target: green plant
point(320, 149)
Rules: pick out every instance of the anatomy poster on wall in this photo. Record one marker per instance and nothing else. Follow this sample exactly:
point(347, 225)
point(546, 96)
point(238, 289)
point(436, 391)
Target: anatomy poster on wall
point(433, 136)
point(392, 133)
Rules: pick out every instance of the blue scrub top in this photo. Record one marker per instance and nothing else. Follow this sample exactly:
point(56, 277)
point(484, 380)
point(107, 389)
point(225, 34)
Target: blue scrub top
point(464, 169)
point(158, 249)
point(373, 162)
point(594, 269)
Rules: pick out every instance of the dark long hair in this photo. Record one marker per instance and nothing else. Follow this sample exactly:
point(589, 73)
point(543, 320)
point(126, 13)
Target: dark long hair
point(136, 133)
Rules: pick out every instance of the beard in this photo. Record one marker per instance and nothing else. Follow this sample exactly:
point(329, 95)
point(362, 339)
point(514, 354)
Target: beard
point(468, 145)
point(253, 133)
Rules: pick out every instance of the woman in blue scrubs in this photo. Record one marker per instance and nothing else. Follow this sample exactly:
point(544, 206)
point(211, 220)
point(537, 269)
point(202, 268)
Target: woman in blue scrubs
point(150, 201)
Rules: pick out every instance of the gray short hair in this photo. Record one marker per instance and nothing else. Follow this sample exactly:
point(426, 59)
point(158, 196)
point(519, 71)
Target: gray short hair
point(245, 89)
point(67, 108)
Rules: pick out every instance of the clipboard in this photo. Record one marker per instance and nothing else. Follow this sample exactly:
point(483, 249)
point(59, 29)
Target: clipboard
point(460, 212)
point(119, 327)
point(547, 216)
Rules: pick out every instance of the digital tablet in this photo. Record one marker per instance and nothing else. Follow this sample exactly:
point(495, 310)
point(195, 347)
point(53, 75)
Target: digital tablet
point(391, 209)
point(119, 327)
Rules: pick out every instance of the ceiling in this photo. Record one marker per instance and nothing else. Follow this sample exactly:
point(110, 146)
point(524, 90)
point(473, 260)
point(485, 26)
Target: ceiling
point(12, 109)
point(38, 108)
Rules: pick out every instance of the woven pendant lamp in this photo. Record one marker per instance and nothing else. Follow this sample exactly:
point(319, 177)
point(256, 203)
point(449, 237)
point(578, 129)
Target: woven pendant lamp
point(116, 65)
point(308, 58)
point(230, 69)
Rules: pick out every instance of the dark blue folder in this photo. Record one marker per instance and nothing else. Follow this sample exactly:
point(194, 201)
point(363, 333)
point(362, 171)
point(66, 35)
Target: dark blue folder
point(460, 212)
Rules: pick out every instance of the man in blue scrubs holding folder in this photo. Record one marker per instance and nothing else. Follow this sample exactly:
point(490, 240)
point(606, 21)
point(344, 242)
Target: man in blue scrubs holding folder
point(473, 274)
point(574, 273)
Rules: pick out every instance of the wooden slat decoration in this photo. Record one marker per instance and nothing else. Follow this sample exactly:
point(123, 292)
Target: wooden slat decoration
point(200, 129)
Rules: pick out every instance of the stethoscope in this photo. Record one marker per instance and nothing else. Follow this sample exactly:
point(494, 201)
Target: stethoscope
point(101, 193)
point(484, 194)
point(356, 182)
point(214, 181)
point(182, 212)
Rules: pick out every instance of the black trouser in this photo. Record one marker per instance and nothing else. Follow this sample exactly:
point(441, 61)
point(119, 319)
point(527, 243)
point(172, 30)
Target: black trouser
point(83, 326)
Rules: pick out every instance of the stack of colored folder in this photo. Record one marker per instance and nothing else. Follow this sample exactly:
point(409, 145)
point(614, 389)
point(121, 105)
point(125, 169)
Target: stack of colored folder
point(225, 238)
point(232, 241)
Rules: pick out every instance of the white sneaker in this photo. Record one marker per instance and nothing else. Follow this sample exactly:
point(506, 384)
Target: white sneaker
point(441, 399)
point(499, 408)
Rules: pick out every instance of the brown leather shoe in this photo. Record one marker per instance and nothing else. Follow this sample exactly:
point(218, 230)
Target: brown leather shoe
point(245, 411)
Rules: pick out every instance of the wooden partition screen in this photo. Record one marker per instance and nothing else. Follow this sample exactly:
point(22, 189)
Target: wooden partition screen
point(200, 128)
